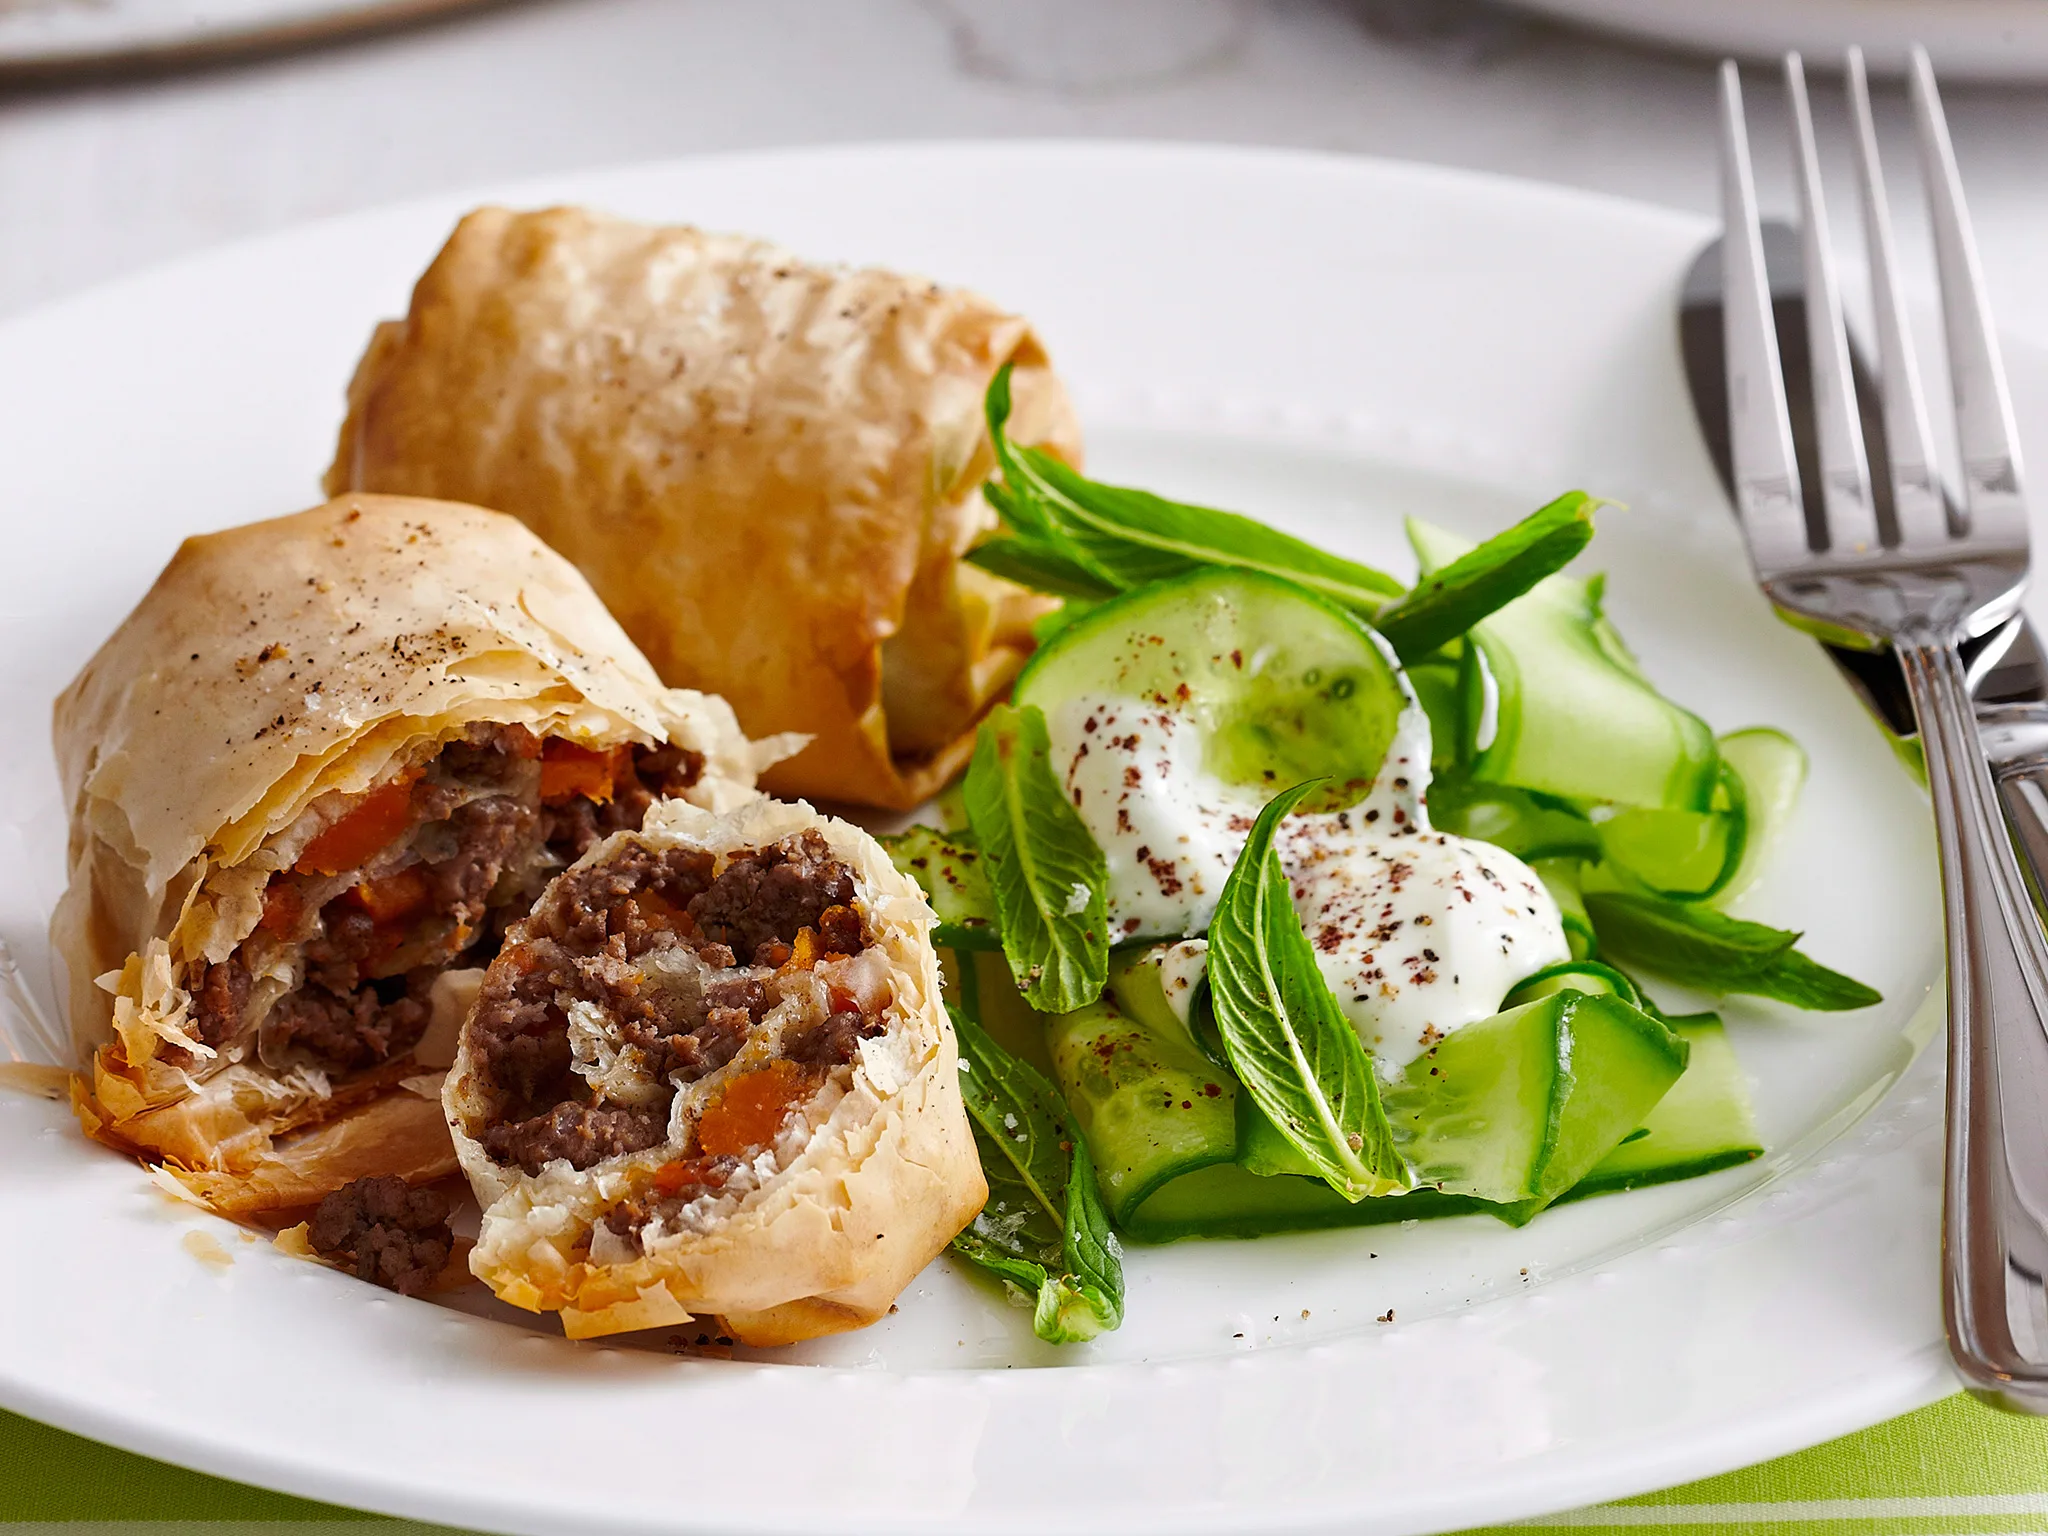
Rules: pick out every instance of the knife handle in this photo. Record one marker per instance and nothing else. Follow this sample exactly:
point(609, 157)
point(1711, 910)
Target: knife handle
point(2015, 738)
point(1995, 1210)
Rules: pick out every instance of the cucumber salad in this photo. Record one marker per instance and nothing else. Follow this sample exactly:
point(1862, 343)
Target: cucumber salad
point(1283, 894)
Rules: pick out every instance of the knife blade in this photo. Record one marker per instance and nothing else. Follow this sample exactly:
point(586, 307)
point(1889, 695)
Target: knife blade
point(2006, 667)
point(2008, 678)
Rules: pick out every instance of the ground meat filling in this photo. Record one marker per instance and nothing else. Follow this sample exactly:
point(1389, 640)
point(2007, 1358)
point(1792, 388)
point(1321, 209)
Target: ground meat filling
point(583, 1133)
point(386, 1232)
point(217, 1007)
point(650, 942)
point(422, 872)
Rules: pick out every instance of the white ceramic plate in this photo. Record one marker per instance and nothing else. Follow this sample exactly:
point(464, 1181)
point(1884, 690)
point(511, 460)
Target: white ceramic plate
point(43, 35)
point(1326, 343)
point(1969, 39)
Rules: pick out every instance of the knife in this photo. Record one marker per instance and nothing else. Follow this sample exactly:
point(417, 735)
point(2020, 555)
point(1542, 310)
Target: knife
point(2008, 676)
point(2006, 666)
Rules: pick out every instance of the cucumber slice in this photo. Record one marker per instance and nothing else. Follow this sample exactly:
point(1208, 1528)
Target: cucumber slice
point(1563, 877)
point(1435, 681)
point(1516, 1109)
point(1702, 1125)
point(1284, 684)
point(1588, 976)
point(949, 872)
point(1771, 768)
point(1687, 855)
point(1554, 701)
point(1226, 1201)
point(1528, 825)
point(1151, 1105)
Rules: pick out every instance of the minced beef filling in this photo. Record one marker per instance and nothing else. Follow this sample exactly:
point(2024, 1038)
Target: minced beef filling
point(386, 1232)
point(584, 942)
point(454, 855)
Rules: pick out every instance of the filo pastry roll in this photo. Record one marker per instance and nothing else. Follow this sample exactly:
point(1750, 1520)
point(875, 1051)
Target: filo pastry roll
point(768, 469)
point(711, 1076)
point(325, 760)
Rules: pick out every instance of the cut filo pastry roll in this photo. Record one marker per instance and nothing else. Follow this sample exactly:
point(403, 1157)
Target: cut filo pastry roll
point(711, 1076)
point(310, 780)
point(769, 469)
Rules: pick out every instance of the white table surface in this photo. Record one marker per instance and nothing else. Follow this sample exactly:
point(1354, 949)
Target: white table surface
point(103, 178)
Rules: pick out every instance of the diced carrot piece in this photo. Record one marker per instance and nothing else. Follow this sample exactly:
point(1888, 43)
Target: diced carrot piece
point(569, 771)
point(752, 1109)
point(657, 911)
point(395, 897)
point(376, 820)
point(283, 906)
point(803, 954)
point(672, 1178)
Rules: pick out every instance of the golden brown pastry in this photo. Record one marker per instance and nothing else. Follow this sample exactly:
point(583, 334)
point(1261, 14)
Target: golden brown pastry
point(769, 470)
point(310, 778)
point(711, 1076)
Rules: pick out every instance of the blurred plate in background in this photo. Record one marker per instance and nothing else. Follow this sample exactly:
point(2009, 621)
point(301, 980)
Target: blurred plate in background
point(38, 36)
point(1969, 39)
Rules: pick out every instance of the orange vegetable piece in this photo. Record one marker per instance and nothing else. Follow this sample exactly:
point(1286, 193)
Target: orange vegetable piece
point(283, 906)
point(395, 897)
point(671, 1178)
point(657, 911)
point(569, 771)
point(803, 954)
point(375, 822)
point(752, 1109)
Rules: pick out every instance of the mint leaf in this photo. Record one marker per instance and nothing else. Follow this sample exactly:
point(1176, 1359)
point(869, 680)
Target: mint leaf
point(1037, 565)
point(1447, 602)
point(1041, 542)
point(1046, 874)
point(1282, 1031)
point(1806, 983)
point(1089, 1298)
point(1043, 1229)
point(950, 872)
point(1074, 530)
point(1709, 951)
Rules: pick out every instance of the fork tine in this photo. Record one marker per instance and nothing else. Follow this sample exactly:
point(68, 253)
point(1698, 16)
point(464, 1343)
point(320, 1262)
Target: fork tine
point(1917, 496)
point(1767, 491)
point(1984, 421)
point(1844, 467)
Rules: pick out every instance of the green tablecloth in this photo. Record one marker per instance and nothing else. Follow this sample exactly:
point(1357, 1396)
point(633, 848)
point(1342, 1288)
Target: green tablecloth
point(1954, 1467)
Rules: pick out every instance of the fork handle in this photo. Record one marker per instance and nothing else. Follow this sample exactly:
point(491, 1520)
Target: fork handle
point(1995, 1209)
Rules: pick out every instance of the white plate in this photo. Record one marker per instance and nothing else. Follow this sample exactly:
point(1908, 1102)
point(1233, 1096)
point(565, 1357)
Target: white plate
point(39, 35)
point(1969, 39)
point(1327, 343)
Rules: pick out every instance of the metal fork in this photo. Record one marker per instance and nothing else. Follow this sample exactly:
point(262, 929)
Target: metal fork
point(1954, 568)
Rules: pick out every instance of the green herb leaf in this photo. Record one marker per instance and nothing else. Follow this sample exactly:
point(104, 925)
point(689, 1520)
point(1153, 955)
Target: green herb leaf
point(1708, 951)
point(950, 872)
point(1044, 541)
point(1039, 566)
point(1449, 601)
point(1286, 1039)
point(1089, 1298)
point(1805, 983)
point(1079, 530)
point(1043, 1229)
point(1047, 876)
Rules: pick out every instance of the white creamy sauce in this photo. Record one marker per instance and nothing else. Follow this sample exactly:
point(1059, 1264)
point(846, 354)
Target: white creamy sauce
point(1418, 932)
point(1181, 969)
point(1169, 829)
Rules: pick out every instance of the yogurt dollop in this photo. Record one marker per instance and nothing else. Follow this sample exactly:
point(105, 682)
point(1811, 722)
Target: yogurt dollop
point(1418, 932)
